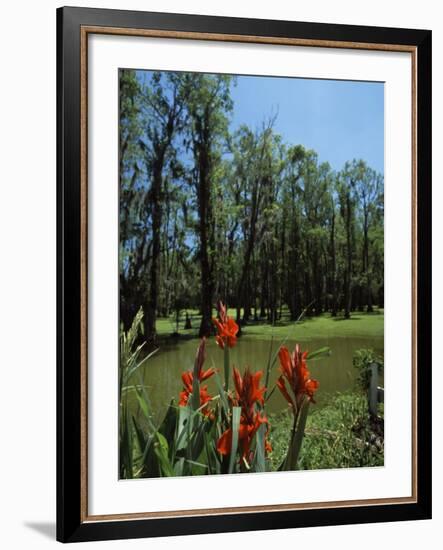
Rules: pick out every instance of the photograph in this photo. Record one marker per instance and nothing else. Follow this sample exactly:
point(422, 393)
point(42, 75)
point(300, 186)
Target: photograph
point(251, 273)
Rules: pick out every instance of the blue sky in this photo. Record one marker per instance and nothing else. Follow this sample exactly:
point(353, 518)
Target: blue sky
point(341, 120)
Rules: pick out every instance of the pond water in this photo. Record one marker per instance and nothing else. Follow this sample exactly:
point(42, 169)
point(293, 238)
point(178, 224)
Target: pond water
point(162, 372)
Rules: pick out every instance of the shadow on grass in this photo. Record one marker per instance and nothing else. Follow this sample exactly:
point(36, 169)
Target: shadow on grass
point(352, 318)
point(169, 341)
point(176, 337)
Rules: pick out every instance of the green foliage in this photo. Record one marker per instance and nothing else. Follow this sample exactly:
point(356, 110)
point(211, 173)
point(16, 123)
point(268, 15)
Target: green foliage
point(235, 423)
point(291, 461)
point(339, 435)
point(362, 361)
point(129, 364)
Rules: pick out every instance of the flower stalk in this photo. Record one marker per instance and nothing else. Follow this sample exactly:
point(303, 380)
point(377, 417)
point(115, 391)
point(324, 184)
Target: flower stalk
point(298, 388)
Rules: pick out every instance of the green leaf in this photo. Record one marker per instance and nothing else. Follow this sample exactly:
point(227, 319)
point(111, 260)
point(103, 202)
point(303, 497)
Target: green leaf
point(168, 425)
point(143, 405)
point(269, 364)
point(161, 450)
point(226, 366)
point(297, 439)
point(198, 464)
point(260, 458)
point(209, 454)
point(198, 440)
point(149, 461)
point(319, 353)
point(144, 396)
point(198, 363)
point(195, 398)
point(134, 365)
point(127, 446)
point(142, 440)
point(184, 418)
point(268, 396)
point(178, 466)
point(222, 394)
point(236, 413)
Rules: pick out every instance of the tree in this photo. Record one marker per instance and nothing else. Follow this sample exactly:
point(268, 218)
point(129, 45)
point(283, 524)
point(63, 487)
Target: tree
point(163, 116)
point(255, 169)
point(347, 197)
point(210, 212)
point(368, 188)
point(132, 249)
point(209, 104)
point(292, 211)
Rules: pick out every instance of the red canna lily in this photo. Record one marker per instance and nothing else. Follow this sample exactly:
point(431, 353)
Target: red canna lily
point(205, 398)
point(188, 379)
point(246, 432)
point(247, 393)
point(295, 373)
point(248, 390)
point(200, 358)
point(227, 328)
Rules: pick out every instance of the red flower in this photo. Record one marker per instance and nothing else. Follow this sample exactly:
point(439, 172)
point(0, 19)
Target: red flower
point(246, 432)
point(227, 328)
point(188, 379)
point(247, 394)
point(248, 391)
point(295, 373)
point(205, 398)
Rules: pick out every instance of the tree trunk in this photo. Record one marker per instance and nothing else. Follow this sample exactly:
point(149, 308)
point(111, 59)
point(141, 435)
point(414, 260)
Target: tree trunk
point(348, 269)
point(247, 302)
point(206, 236)
point(366, 263)
point(333, 267)
point(264, 276)
point(156, 208)
point(188, 324)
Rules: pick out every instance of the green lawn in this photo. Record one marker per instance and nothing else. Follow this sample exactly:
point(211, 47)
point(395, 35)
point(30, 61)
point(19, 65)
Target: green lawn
point(323, 326)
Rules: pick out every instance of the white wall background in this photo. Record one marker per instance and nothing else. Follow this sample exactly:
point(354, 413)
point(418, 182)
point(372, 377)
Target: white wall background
point(27, 275)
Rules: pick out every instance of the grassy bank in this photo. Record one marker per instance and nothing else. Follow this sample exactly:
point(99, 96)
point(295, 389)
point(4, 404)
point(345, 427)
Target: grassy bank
point(323, 326)
point(339, 435)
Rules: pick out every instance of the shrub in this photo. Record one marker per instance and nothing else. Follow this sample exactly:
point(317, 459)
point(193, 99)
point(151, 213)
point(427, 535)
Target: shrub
point(362, 361)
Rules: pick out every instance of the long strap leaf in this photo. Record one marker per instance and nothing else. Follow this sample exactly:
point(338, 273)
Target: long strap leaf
point(297, 439)
point(161, 450)
point(236, 412)
point(226, 366)
point(260, 458)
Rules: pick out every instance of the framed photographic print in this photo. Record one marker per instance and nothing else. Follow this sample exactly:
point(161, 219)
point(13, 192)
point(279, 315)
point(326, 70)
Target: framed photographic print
point(244, 274)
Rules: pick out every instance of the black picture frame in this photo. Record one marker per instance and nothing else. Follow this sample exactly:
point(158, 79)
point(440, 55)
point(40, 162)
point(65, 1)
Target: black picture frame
point(72, 525)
